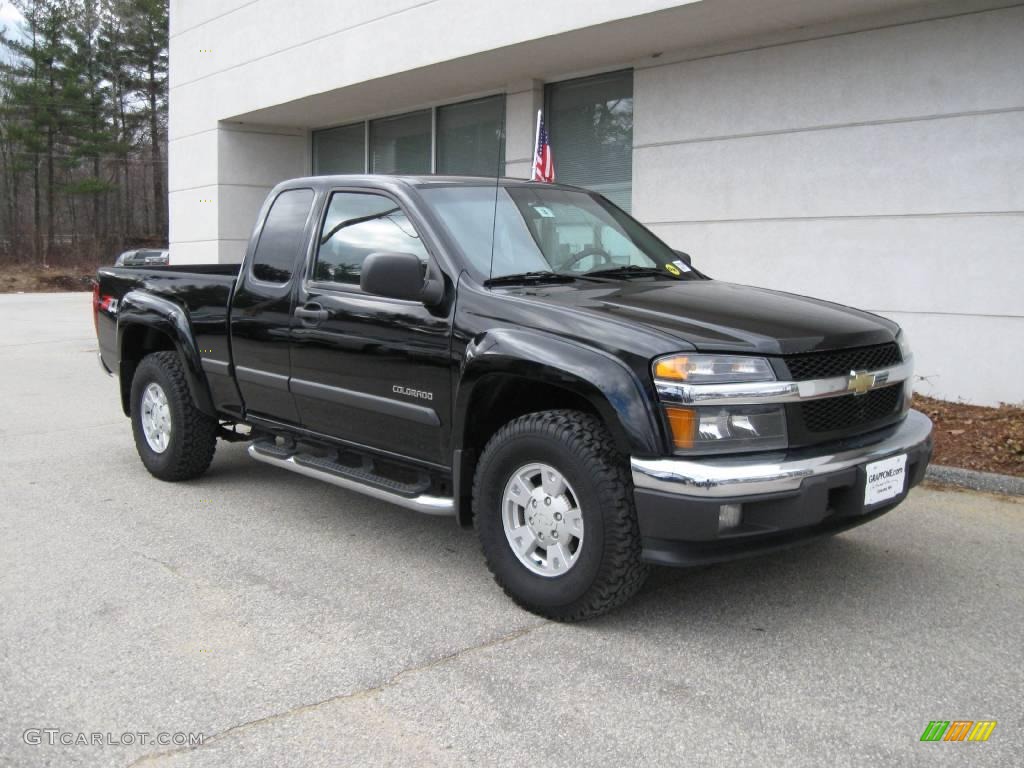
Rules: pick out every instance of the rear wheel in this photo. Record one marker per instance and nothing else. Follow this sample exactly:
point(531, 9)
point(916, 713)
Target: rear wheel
point(553, 505)
point(175, 440)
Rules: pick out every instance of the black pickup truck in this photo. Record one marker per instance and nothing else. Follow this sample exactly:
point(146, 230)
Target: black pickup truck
point(528, 359)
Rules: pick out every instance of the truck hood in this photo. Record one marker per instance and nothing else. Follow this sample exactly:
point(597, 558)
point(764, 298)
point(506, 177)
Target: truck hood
point(714, 316)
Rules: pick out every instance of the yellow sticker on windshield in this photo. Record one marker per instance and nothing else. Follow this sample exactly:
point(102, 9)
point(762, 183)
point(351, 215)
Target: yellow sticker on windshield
point(673, 269)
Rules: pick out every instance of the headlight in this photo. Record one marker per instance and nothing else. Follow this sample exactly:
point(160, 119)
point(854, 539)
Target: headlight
point(726, 429)
point(905, 352)
point(713, 369)
point(721, 429)
point(908, 357)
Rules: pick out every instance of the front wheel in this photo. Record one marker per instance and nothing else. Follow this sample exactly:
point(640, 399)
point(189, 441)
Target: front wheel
point(553, 504)
point(175, 440)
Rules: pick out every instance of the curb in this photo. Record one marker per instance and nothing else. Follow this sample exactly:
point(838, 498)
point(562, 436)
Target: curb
point(976, 481)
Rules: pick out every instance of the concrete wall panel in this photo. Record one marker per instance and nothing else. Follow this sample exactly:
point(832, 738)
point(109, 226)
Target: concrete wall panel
point(520, 124)
point(970, 358)
point(185, 14)
point(193, 214)
point(239, 208)
point(260, 159)
point(192, 161)
point(958, 264)
point(959, 64)
point(957, 164)
point(231, 251)
point(195, 252)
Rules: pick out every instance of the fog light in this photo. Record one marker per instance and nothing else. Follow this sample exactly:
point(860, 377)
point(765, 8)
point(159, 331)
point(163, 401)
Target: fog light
point(729, 516)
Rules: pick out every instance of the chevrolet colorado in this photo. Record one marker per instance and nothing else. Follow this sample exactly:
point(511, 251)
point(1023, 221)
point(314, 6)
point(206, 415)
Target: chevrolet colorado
point(528, 359)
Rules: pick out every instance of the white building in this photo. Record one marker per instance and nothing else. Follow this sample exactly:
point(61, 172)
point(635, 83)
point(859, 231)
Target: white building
point(866, 151)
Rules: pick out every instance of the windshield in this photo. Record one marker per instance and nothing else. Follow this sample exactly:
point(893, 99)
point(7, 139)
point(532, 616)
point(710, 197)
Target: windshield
point(539, 229)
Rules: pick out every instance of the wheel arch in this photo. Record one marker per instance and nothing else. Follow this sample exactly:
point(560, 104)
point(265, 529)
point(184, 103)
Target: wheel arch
point(148, 323)
point(509, 373)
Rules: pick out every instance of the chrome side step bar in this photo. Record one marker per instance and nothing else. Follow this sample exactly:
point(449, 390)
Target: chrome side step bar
point(430, 505)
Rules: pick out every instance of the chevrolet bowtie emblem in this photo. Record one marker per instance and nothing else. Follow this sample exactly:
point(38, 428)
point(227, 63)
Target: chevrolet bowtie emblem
point(860, 382)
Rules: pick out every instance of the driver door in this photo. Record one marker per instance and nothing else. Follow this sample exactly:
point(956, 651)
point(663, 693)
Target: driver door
point(366, 369)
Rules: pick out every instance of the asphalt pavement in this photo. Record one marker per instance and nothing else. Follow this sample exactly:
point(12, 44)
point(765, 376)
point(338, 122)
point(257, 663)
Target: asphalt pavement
point(293, 623)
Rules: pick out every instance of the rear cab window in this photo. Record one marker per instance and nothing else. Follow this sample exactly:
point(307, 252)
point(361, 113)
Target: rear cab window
point(282, 238)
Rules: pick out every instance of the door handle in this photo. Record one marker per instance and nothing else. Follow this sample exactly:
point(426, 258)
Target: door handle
point(312, 313)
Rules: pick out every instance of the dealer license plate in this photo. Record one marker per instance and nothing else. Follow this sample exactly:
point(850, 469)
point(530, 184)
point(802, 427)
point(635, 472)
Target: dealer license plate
point(886, 479)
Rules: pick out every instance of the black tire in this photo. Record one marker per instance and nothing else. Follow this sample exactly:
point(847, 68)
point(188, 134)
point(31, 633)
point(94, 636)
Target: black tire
point(193, 437)
point(609, 570)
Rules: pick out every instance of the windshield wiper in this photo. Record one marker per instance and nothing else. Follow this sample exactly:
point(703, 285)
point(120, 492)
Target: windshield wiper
point(627, 271)
point(530, 277)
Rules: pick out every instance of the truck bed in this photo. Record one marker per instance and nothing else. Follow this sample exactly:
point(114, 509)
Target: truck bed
point(191, 269)
point(202, 290)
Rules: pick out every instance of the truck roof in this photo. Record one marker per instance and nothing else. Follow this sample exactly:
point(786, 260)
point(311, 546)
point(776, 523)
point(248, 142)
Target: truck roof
point(387, 180)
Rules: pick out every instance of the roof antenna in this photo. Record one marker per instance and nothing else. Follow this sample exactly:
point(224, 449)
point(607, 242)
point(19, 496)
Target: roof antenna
point(498, 172)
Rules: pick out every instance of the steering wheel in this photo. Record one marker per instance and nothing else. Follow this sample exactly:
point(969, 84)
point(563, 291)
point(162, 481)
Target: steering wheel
point(590, 250)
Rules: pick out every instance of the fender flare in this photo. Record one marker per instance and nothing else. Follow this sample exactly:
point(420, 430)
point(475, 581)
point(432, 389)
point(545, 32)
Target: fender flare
point(603, 380)
point(138, 308)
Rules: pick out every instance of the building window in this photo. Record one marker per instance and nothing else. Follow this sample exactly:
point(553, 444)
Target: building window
point(401, 144)
point(471, 138)
point(590, 122)
point(457, 139)
point(340, 150)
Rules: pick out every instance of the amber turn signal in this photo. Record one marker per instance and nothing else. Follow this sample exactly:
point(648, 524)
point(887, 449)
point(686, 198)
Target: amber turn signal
point(671, 368)
point(683, 423)
point(712, 369)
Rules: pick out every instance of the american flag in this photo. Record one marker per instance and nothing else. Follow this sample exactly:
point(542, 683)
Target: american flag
point(543, 162)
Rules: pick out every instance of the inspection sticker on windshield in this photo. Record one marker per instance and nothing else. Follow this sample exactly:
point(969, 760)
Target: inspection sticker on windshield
point(682, 265)
point(543, 211)
point(886, 479)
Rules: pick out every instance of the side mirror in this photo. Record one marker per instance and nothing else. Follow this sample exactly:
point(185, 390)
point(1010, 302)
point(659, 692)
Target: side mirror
point(684, 257)
point(399, 276)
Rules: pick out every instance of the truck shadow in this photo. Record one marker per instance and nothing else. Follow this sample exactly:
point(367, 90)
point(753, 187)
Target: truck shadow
point(821, 580)
point(832, 581)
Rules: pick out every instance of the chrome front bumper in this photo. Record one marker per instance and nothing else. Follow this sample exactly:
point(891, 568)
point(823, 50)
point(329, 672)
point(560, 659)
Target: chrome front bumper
point(759, 474)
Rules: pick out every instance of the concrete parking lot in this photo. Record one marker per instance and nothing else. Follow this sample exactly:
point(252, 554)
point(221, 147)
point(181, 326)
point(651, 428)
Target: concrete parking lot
point(294, 623)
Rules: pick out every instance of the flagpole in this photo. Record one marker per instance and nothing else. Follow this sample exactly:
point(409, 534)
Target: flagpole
point(536, 144)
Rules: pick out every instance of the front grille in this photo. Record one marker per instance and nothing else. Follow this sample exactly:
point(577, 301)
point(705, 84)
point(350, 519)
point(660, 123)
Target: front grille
point(848, 411)
point(823, 365)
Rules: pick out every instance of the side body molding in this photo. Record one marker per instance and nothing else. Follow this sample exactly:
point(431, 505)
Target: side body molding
point(163, 316)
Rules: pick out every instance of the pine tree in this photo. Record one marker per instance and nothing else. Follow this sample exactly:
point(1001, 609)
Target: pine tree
point(83, 99)
point(116, 73)
point(91, 133)
point(146, 39)
point(30, 110)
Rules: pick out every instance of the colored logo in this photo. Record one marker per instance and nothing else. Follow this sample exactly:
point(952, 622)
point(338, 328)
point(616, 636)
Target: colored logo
point(958, 730)
point(673, 269)
point(860, 382)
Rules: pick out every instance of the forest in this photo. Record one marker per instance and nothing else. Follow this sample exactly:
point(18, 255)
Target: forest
point(83, 132)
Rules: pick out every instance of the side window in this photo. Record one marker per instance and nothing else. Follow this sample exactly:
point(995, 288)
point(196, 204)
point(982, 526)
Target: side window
point(281, 237)
point(357, 225)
